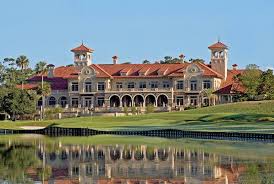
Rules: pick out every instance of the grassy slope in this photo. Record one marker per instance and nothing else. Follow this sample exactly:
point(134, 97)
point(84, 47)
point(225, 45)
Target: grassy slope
point(240, 117)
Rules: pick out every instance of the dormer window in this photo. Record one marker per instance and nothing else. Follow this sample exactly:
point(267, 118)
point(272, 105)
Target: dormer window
point(123, 73)
point(162, 71)
point(143, 71)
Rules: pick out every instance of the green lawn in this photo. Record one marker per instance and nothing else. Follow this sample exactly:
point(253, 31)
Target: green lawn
point(237, 117)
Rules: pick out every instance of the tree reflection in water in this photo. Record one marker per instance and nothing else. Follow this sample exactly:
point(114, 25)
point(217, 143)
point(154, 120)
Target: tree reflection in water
point(15, 160)
point(50, 162)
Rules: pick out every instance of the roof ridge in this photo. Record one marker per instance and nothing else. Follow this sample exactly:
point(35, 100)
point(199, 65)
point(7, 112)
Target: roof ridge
point(210, 69)
point(102, 70)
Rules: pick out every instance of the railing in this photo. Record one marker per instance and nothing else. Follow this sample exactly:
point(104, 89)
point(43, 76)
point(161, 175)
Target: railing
point(142, 90)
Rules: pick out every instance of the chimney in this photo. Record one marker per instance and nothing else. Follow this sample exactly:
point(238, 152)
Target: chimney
point(50, 70)
point(182, 57)
point(234, 66)
point(115, 60)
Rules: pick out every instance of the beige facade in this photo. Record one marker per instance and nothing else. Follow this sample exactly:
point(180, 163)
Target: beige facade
point(165, 92)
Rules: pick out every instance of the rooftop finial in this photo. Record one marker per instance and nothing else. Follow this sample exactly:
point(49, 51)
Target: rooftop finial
point(82, 42)
point(219, 39)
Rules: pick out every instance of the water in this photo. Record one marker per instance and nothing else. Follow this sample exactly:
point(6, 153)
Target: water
point(133, 160)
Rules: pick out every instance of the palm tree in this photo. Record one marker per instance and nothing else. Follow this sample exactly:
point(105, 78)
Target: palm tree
point(209, 93)
point(41, 68)
point(22, 62)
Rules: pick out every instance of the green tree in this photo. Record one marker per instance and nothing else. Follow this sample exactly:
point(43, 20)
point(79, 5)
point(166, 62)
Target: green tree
point(251, 80)
point(17, 102)
point(22, 62)
point(146, 62)
point(14, 162)
point(9, 76)
point(9, 73)
point(170, 60)
point(266, 86)
point(41, 68)
point(197, 60)
point(45, 90)
point(209, 93)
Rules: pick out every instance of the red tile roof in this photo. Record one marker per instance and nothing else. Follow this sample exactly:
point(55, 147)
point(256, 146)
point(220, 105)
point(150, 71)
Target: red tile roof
point(57, 83)
point(231, 85)
point(63, 73)
point(209, 71)
point(218, 45)
point(28, 86)
point(82, 48)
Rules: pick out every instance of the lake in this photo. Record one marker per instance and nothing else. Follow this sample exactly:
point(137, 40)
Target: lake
point(133, 160)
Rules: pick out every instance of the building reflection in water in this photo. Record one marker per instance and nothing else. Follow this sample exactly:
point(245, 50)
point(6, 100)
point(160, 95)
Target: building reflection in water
point(125, 164)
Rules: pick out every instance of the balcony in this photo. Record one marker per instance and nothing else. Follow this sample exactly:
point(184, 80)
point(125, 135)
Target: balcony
point(142, 90)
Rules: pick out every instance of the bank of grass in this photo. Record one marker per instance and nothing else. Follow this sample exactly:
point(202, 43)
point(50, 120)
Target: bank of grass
point(237, 117)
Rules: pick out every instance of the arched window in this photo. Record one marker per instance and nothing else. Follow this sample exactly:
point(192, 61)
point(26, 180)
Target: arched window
point(221, 54)
point(63, 101)
point(52, 101)
point(216, 54)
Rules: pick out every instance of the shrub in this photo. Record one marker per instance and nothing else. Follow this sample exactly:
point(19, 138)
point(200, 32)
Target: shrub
point(125, 109)
point(51, 113)
point(190, 107)
point(150, 108)
point(133, 110)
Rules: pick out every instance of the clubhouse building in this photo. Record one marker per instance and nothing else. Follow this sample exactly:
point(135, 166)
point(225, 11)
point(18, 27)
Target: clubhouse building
point(111, 87)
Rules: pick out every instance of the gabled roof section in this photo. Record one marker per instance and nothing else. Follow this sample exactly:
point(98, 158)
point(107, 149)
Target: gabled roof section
point(218, 45)
point(100, 71)
point(231, 85)
point(208, 71)
point(134, 70)
point(163, 70)
point(143, 71)
point(82, 48)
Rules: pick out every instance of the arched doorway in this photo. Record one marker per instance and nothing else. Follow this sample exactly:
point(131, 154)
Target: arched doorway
point(150, 100)
point(126, 101)
point(63, 101)
point(162, 101)
point(138, 100)
point(114, 101)
point(52, 101)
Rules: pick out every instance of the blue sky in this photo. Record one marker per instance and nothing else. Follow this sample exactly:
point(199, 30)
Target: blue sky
point(137, 30)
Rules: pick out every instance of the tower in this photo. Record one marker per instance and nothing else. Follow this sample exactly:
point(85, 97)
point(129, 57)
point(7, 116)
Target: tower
point(219, 58)
point(82, 55)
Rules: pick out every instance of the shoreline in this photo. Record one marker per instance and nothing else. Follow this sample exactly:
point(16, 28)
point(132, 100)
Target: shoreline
point(163, 133)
